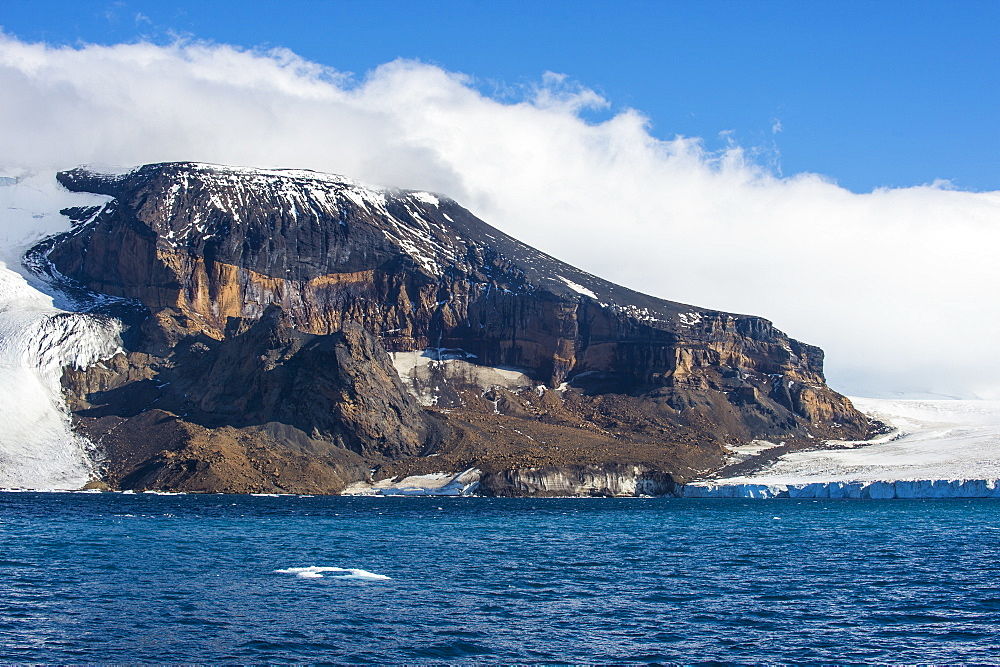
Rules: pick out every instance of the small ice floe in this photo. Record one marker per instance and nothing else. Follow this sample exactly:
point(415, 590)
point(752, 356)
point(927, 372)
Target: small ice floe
point(315, 572)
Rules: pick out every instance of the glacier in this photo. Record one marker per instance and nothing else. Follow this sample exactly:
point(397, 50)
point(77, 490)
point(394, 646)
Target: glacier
point(38, 448)
point(938, 449)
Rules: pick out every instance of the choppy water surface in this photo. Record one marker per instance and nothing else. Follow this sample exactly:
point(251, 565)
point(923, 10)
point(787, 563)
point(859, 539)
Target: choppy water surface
point(129, 578)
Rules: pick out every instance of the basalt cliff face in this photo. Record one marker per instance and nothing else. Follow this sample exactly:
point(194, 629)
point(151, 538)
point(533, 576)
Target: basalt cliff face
point(263, 307)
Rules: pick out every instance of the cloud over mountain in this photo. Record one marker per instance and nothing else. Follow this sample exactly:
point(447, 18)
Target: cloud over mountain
point(898, 285)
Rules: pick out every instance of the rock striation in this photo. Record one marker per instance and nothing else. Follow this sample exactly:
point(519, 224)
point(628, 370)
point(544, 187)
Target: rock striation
point(265, 301)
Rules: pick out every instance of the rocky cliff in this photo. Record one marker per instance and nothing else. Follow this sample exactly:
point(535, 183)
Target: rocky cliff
point(267, 300)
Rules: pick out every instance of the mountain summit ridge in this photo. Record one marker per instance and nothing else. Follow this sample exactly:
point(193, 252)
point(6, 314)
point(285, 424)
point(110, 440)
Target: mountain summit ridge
point(206, 247)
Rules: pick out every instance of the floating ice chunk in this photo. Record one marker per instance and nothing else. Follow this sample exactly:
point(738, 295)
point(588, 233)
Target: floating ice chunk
point(309, 575)
point(316, 572)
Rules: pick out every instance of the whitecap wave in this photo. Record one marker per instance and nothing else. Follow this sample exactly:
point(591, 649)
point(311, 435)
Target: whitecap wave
point(316, 572)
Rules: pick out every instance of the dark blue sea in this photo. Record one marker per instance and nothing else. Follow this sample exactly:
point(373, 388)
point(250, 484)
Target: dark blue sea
point(99, 578)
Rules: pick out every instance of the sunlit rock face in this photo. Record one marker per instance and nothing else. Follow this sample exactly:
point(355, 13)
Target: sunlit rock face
point(207, 250)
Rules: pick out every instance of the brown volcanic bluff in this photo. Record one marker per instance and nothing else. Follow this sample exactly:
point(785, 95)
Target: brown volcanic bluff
point(211, 250)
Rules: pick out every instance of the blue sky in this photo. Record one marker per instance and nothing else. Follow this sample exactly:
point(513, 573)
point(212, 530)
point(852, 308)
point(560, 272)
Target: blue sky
point(870, 94)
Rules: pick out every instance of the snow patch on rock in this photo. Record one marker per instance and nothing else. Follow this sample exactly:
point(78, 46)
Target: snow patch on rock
point(576, 287)
point(425, 372)
point(426, 198)
point(689, 319)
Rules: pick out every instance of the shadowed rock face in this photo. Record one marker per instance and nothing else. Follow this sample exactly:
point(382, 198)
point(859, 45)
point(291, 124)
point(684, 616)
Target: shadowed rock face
point(215, 247)
point(332, 402)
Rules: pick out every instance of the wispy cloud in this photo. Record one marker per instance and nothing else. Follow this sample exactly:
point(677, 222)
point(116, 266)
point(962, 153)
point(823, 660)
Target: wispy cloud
point(898, 285)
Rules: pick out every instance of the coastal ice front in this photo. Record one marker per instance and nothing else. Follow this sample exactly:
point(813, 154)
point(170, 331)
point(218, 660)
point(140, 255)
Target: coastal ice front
point(938, 449)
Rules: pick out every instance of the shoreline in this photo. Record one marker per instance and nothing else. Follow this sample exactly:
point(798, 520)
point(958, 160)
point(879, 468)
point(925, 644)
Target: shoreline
point(927, 489)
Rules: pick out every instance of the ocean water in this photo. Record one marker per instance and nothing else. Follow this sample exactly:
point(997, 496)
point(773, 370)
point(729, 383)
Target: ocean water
point(90, 578)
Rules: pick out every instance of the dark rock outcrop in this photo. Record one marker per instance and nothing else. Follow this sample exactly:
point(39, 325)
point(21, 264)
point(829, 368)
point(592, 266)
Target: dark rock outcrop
point(333, 398)
point(220, 256)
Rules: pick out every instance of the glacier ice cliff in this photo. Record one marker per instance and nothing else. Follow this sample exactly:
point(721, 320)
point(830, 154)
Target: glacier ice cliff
point(875, 490)
point(938, 449)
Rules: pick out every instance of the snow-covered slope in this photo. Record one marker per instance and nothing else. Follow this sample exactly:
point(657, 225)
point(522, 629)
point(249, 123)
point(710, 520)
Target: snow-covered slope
point(940, 449)
point(37, 447)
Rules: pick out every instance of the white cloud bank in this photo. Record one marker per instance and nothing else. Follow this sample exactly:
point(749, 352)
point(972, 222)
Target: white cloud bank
point(899, 286)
